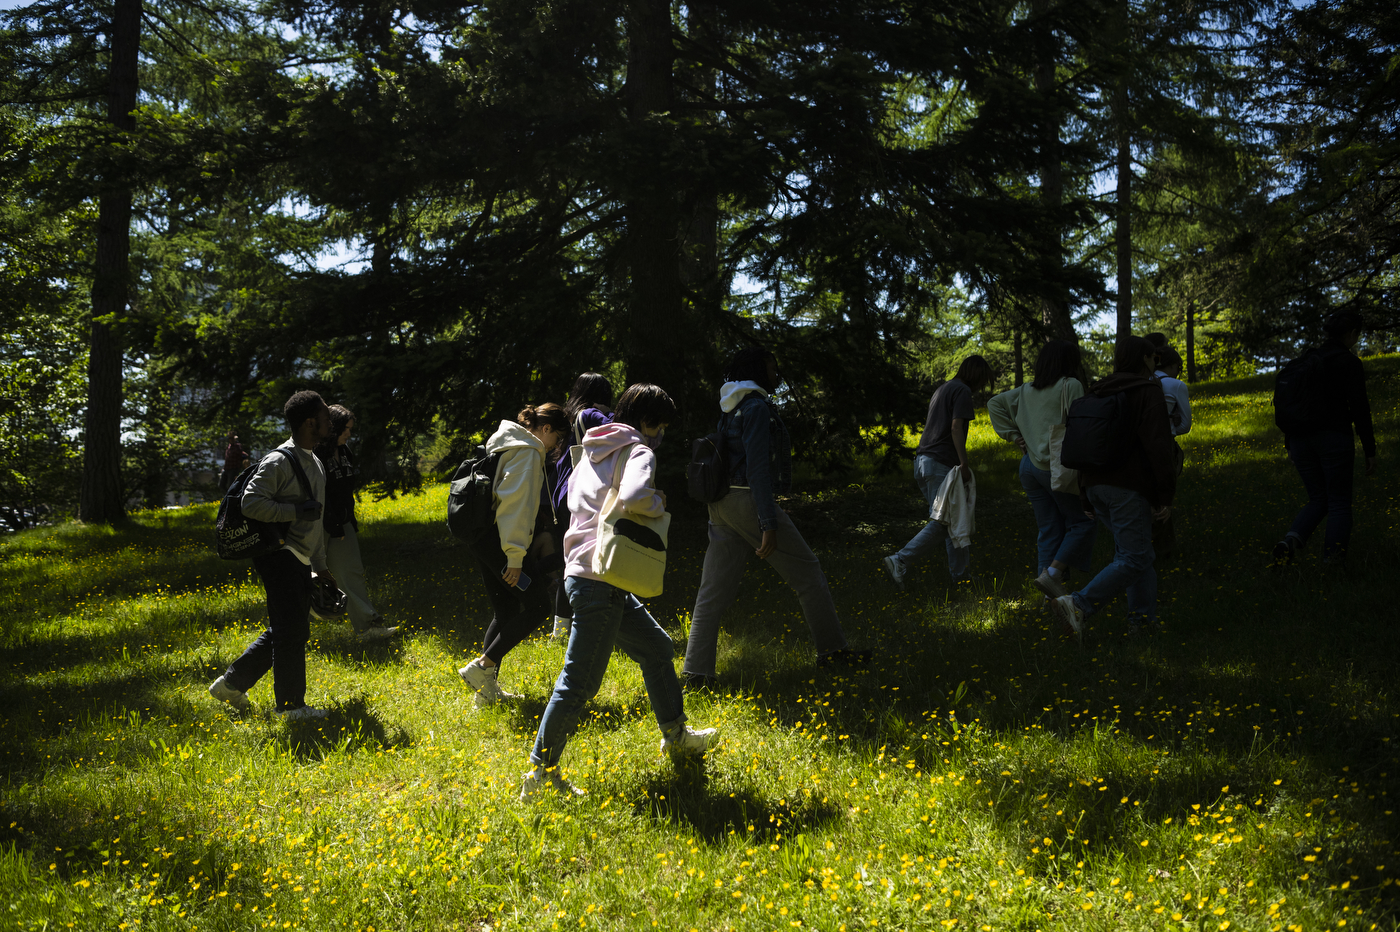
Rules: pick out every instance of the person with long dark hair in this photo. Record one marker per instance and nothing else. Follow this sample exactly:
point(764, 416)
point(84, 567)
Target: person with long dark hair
point(343, 529)
point(943, 448)
point(1024, 416)
point(748, 520)
point(619, 457)
point(1324, 452)
point(589, 406)
point(517, 554)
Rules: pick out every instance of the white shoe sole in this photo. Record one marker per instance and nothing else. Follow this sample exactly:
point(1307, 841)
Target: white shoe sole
point(1050, 586)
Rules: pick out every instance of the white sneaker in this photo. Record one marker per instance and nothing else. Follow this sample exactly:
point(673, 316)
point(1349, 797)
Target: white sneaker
point(562, 626)
point(1070, 616)
point(541, 779)
point(225, 693)
point(476, 676)
point(1050, 585)
point(302, 713)
point(896, 570)
point(377, 633)
point(690, 743)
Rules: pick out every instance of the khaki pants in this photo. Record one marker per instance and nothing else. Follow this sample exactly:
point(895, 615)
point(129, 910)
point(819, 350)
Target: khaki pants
point(343, 560)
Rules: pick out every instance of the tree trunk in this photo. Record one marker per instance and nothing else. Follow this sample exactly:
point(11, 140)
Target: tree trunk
point(1054, 309)
point(101, 496)
point(655, 314)
point(1123, 227)
point(1020, 364)
point(1191, 341)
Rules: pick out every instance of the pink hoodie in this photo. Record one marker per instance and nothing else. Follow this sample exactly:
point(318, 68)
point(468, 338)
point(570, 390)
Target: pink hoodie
point(589, 484)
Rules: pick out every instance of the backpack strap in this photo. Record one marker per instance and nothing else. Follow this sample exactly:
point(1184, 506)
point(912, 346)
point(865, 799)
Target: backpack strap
point(296, 468)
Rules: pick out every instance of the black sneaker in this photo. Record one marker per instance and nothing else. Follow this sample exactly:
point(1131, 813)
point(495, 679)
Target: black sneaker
point(846, 657)
point(698, 682)
point(1285, 550)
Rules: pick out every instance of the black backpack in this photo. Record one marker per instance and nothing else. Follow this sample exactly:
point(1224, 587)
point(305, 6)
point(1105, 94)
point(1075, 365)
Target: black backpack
point(1300, 393)
point(471, 499)
point(707, 473)
point(239, 537)
point(1096, 433)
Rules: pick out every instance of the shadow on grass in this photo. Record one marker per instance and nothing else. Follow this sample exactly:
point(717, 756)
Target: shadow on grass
point(348, 727)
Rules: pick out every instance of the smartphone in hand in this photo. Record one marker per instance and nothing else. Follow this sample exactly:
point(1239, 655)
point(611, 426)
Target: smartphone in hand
point(522, 583)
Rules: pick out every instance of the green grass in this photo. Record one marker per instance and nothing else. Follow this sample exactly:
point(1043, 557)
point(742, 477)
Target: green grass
point(1236, 774)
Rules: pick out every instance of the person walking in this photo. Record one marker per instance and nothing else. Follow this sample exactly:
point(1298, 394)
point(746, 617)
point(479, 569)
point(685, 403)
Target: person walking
point(1178, 396)
point(1129, 495)
point(748, 520)
point(943, 448)
point(517, 553)
point(235, 454)
point(343, 530)
point(1324, 453)
point(620, 455)
point(1024, 416)
point(589, 406)
point(276, 493)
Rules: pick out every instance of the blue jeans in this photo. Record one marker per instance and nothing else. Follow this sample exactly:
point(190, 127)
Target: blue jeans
point(606, 616)
point(1129, 519)
point(1066, 534)
point(929, 473)
point(1326, 461)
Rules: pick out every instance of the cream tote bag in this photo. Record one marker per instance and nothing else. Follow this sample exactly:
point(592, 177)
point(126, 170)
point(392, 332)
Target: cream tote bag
point(1062, 478)
point(631, 549)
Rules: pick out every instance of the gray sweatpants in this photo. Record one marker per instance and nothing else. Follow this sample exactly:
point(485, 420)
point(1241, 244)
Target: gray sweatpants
point(343, 560)
point(734, 536)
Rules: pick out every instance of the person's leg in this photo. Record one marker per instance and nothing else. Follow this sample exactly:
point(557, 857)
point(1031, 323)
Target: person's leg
point(1049, 521)
point(1077, 546)
point(287, 585)
point(1337, 456)
point(343, 560)
point(1304, 452)
point(598, 610)
point(929, 473)
point(1129, 519)
point(647, 643)
point(798, 566)
point(725, 557)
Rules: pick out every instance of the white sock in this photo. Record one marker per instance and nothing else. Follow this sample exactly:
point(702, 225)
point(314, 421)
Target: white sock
point(1052, 571)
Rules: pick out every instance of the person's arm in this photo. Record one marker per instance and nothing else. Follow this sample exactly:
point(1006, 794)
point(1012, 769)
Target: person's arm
point(1360, 407)
point(1183, 408)
point(519, 477)
point(269, 481)
point(757, 460)
point(1001, 410)
point(637, 489)
point(963, 413)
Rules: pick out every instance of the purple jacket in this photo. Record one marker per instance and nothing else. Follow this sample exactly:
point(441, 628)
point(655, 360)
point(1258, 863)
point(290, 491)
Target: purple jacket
point(591, 418)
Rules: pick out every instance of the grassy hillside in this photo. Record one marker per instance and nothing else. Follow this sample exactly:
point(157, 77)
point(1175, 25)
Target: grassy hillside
point(983, 774)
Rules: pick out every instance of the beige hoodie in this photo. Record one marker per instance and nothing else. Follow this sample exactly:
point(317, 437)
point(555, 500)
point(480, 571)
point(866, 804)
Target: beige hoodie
point(519, 478)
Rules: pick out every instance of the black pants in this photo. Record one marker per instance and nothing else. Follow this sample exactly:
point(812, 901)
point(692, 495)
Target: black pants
point(282, 647)
point(517, 614)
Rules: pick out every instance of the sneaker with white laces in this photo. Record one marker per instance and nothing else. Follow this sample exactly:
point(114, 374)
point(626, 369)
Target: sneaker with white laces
point(689, 743)
point(379, 632)
point(540, 778)
point(562, 626)
point(1052, 586)
point(895, 567)
point(226, 693)
point(1071, 616)
point(301, 713)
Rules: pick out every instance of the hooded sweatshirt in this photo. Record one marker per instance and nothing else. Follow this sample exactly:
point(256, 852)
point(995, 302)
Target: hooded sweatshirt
point(519, 479)
point(757, 447)
point(1150, 467)
point(589, 485)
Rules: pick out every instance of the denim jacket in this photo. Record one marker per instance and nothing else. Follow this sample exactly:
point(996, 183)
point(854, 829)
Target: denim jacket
point(759, 452)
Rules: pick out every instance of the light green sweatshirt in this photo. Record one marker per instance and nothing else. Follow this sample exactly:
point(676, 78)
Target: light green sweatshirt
point(1027, 414)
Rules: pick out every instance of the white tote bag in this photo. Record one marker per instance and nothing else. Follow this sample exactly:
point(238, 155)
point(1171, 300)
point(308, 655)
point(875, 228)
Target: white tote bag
point(1062, 478)
point(631, 549)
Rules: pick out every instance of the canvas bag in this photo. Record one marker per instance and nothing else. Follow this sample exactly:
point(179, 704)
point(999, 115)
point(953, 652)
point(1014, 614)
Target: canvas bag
point(631, 549)
point(1062, 478)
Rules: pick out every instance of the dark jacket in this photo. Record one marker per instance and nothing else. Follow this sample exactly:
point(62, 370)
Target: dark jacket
point(564, 466)
point(1345, 394)
point(1150, 467)
point(759, 452)
point(342, 479)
